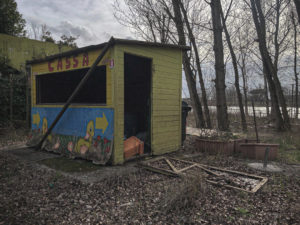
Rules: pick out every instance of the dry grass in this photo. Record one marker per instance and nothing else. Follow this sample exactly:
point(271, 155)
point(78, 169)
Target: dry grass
point(183, 195)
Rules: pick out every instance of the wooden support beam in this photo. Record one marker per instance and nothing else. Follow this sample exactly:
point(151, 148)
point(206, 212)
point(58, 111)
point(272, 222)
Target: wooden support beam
point(171, 165)
point(208, 169)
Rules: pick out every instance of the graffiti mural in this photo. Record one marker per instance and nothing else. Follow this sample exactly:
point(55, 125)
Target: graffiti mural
point(81, 132)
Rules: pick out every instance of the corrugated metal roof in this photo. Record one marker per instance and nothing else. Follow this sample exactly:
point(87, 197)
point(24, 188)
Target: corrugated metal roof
point(116, 41)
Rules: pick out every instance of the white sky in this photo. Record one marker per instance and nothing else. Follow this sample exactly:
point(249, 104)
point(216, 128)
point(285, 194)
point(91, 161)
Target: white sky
point(92, 20)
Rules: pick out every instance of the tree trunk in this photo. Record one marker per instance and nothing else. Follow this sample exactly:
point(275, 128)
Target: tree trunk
point(196, 104)
point(295, 65)
point(244, 77)
point(278, 87)
point(282, 101)
point(297, 4)
point(266, 93)
point(236, 74)
point(259, 22)
point(201, 81)
point(222, 116)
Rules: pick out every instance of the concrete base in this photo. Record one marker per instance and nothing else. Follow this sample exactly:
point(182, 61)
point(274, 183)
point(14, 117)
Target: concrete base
point(269, 168)
point(32, 157)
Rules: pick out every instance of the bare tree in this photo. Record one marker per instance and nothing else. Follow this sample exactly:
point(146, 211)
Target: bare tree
point(244, 44)
point(260, 25)
point(147, 18)
point(186, 64)
point(197, 59)
point(34, 31)
point(235, 68)
point(277, 44)
point(295, 64)
point(222, 115)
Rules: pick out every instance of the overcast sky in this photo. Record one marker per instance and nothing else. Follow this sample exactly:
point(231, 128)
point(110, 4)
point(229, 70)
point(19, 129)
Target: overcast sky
point(92, 20)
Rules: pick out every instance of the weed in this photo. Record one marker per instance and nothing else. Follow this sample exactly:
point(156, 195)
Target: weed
point(242, 211)
point(184, 194)
point(57, 176)
point(231, 218)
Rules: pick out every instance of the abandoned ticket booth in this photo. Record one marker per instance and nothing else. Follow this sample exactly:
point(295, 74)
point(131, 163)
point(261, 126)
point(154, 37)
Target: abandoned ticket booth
point(134, 91)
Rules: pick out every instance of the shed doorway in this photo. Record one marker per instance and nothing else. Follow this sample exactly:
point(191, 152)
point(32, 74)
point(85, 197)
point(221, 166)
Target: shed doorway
point(137, 98)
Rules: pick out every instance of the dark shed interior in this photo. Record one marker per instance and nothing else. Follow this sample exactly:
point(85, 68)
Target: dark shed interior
point(137, 98)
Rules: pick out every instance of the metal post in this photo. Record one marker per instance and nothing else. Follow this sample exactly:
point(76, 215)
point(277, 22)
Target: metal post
point(292, 105)
point(11, 91)
point(266, 157)
point(28, 75)
point(77, 89)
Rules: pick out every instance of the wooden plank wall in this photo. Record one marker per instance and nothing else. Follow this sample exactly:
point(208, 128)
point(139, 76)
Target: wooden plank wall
point(166, 97)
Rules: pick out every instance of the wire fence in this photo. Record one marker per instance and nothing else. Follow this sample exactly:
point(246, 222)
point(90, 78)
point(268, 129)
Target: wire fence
point(14, 99)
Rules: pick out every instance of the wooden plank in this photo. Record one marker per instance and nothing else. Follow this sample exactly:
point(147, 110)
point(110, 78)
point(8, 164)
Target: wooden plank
point(206, 170)
point(171, 165)
point(165, 118)
point(228, 186)
point(197, 165)
point(258, 186)
point(155, 169)
point(167, 98)
point(159, 124)
point(166, 113)
point(179, 173)
point(162, 82)
point(157, 150)
point(171, 130)
point(255, 189)
point(161, 107)
point(166, 77)
point(160, 138)
point(171, 54)
point(186, 168)
point(235, 172)
point(166, 102)
point(225, 170)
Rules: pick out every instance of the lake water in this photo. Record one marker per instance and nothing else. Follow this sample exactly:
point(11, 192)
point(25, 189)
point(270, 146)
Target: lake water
point(260, 111)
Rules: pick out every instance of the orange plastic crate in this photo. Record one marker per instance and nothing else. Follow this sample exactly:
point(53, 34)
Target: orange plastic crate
point(132, 147)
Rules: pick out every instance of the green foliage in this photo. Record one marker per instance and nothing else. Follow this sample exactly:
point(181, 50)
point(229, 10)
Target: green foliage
point(65, 40)
point(9, 80)
point(47, 37)
point(69, 41)
point(11, 21)
point(46, 34)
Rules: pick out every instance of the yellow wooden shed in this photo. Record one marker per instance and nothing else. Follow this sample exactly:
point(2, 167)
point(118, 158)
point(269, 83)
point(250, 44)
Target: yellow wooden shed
point(134, 91)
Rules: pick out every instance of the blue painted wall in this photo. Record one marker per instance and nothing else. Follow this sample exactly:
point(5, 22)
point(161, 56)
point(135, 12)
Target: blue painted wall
point(81, 132)
point(74, 121)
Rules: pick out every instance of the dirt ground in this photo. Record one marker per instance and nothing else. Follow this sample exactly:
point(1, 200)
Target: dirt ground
point(34, 194)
